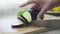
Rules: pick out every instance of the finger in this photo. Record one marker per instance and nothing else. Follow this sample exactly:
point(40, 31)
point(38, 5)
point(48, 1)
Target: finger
point(27, 3)
point(38, 18)
point(40, 7)
point(36, 6)
point(44, 9)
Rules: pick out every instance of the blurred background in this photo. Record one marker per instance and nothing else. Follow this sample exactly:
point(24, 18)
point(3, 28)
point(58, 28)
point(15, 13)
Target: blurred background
point(10, 6)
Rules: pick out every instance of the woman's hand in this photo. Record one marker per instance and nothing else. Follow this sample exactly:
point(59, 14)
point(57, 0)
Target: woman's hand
point(45, 4)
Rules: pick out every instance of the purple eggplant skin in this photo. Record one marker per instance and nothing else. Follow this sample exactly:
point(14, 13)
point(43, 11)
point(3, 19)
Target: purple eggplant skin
point(34, 14)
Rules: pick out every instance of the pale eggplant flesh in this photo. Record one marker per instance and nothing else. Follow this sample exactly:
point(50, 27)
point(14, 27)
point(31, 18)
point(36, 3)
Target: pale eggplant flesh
point(27, 17)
